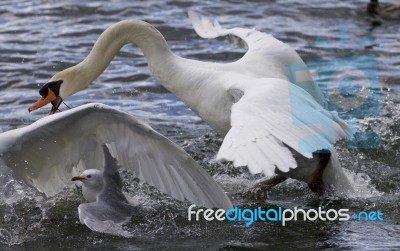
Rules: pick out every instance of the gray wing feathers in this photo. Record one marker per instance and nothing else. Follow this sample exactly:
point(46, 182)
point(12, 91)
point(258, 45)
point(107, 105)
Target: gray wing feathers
point(101, 219)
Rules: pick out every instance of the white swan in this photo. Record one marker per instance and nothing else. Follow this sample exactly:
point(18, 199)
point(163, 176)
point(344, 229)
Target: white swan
point(270, 125)
point(46, 153)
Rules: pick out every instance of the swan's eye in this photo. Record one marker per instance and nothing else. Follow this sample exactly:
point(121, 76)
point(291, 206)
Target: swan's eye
point(89, 176)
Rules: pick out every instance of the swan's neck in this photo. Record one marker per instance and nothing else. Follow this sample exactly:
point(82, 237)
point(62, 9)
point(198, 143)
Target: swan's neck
point(187, 79)
point(140, 33)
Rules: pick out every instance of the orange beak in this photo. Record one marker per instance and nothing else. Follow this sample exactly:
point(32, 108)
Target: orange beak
point(43, 101)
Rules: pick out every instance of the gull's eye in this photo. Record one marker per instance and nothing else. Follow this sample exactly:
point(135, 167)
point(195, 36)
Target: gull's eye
point(89, 176)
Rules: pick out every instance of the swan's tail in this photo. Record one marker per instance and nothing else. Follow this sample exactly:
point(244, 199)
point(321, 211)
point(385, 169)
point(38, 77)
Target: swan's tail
point(348, 184)
point(336, 176)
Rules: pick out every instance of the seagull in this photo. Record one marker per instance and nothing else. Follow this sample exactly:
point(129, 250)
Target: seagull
point(270, 124)
point(48, 152)
point(107, 208)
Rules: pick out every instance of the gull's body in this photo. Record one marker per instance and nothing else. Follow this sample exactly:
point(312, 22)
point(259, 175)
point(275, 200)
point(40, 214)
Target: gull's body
point(107, 208)
point(48, 152)
point(250, 102)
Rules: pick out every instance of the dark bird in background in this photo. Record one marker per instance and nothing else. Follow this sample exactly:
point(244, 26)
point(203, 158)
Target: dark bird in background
point(387, 11)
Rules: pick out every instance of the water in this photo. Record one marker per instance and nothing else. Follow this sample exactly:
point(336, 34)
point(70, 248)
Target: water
point(41, 37)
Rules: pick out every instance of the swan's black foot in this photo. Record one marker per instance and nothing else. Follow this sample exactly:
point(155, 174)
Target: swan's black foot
point(316, 185)
point(259, 191)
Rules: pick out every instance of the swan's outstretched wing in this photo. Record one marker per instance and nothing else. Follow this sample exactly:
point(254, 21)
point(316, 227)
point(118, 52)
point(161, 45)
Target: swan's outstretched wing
point(252, 40)
point(266, 56)
point(271, 116)
point(263, 50)
point(45, 153)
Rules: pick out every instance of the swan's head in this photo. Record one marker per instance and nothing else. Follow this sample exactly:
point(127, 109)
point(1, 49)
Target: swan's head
point(60, 86)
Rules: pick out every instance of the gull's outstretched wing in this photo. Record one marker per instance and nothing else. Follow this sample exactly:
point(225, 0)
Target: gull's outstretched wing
point(46, 153)
point(273, 116)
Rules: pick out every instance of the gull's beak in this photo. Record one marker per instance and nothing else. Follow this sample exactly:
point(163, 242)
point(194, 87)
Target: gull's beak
point(50, 94)
point(78, 178)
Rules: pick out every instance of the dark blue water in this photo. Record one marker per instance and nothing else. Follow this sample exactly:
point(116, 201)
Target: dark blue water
point(336, 39)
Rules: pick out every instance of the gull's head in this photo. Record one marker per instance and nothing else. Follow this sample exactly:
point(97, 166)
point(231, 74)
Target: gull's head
point(60, 86)
point(91, 178)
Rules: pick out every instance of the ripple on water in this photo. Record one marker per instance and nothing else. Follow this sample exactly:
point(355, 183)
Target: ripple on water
point(39, 38)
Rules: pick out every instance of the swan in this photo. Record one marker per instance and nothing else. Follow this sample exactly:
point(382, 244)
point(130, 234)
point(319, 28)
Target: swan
point(269, 124)
point(385, 11)
point(48, 152)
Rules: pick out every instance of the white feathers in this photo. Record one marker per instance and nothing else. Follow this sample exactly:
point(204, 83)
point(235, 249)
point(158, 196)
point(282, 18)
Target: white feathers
point(204, 27)
point(44, 154)
point(273, 115)
point(263, 116)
